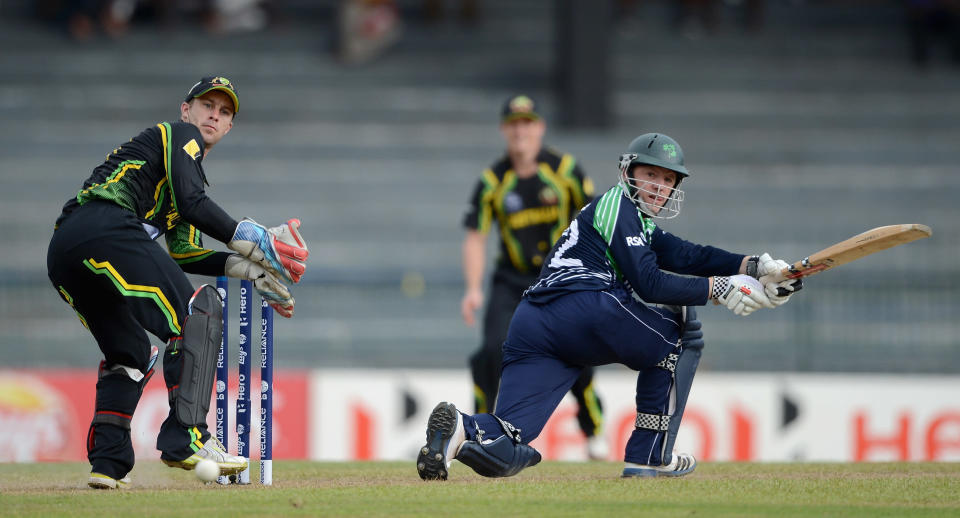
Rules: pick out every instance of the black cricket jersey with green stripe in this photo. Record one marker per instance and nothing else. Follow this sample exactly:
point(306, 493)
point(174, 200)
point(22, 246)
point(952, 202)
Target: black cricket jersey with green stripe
point(531, 213)
point(158, 175)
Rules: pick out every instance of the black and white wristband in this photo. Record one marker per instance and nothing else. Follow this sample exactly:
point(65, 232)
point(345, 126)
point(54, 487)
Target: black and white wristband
point(721, 285)
point(753, 266)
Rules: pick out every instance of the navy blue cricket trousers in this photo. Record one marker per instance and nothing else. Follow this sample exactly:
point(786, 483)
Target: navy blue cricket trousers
point(548, 345)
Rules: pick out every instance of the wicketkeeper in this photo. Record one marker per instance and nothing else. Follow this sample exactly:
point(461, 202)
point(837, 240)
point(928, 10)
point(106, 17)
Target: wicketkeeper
point(105, 263)
point(606, 295)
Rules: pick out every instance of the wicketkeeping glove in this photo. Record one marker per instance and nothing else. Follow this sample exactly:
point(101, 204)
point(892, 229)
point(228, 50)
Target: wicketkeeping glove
point(281, 249)
point(777, 289)
point(275, 292)
point(741, 294)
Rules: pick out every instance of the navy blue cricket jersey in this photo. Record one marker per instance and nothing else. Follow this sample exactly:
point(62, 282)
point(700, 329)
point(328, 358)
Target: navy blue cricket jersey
point(611, 242)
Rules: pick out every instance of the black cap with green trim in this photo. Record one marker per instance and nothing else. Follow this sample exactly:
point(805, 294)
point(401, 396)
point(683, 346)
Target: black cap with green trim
point(215, 83)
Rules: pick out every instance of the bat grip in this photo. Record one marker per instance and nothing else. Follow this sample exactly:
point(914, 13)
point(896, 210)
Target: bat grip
point(790, 273)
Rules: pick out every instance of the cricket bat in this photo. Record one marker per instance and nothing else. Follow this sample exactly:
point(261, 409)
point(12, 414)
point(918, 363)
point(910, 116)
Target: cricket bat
point(857, 247)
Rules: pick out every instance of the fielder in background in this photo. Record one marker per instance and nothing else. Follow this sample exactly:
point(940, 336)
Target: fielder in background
point(606, 295)
point(105, 263)
point(533, 193)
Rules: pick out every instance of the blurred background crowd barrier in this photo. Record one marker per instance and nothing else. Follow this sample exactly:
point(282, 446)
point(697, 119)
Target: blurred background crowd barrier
point(803, 123)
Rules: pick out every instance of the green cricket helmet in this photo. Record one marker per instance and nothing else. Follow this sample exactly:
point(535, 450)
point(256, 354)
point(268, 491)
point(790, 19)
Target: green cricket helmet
point(658, 150)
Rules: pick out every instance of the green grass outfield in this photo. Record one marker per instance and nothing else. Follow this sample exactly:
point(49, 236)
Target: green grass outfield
point(550, 489)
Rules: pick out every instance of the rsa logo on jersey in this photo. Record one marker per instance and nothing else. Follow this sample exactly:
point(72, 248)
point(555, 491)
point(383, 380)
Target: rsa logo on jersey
point(35, 419)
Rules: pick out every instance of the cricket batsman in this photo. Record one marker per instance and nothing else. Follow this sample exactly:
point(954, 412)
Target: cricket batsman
point(609, 292)
point(105, 262)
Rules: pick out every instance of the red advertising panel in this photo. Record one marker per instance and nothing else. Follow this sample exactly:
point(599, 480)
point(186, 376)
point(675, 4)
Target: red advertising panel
point(45, 414)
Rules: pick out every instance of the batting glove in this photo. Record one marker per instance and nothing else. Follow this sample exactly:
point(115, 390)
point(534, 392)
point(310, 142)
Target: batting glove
point(741, 294)
point(769, 273)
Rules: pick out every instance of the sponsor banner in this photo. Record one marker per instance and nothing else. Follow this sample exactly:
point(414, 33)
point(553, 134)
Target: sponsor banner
point(45, 415)
point(378, 414)
point(381, 414)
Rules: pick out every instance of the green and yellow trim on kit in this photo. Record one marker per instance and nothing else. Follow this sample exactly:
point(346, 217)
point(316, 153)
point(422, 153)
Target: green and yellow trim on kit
point(69, 300)
point(490, 184)
point(157, 198)
point(480, 399)
point(514, 249)
point(136, 290)
point(580, 191)
point(195, 436)
point(593, 408)
point(110, 188)
point(556, 184)
point(185, 246)
point(165, 133)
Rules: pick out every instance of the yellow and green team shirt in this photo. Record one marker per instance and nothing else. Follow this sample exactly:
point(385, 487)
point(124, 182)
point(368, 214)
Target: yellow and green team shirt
point(530, 213)
point(158, 175)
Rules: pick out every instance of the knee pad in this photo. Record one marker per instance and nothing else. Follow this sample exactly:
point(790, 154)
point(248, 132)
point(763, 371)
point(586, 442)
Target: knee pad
point(194, 355)
point(140, 377)
point(501, 457)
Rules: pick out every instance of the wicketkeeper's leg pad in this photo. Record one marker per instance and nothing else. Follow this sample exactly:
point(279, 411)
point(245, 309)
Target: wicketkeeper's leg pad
point(501, 457)
point(190, 360)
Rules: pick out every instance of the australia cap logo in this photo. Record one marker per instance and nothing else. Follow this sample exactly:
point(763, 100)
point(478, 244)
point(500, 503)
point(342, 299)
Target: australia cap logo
point(222, 81)
point(521, 104)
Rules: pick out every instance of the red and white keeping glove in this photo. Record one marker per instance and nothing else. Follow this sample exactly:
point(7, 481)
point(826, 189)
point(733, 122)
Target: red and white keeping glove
point(291, 247)
point(741, 294)
point(281, 249)
point(276, 294)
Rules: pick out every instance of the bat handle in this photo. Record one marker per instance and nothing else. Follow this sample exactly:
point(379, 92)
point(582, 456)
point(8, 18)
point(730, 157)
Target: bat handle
point(783, 274)
point(790, 273)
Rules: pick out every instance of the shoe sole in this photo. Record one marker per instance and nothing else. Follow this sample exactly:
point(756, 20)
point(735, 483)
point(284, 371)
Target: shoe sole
point(651, 472)
point(104, 482)
point(431, 464)
point(225, 469)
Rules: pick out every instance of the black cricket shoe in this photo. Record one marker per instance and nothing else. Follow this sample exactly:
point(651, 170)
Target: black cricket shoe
point(444, 436)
